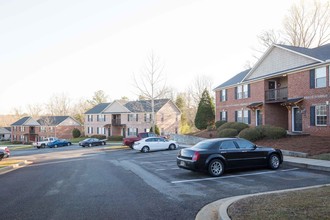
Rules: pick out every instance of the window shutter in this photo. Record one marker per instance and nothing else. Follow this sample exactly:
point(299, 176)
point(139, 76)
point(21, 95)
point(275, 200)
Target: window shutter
point(249, 117)
point(235, 92)
point(312, 78)
point(312, 115)
point(235, 116)
point(249, 92)
point(137, 117)
point(226, 95)
point(221, 96)
point(220, 116)
point(127, 117)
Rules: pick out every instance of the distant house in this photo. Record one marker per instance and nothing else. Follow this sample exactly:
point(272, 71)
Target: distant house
point(28, 129)
point(127, 118)
point(288, 87)
point(5, 133)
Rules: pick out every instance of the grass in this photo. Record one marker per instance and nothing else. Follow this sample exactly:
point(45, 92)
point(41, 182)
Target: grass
point(321, 157)
point(302, 204)
point(8, 162)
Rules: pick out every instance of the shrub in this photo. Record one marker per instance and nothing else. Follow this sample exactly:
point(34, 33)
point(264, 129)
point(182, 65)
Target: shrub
point(99, 136)
point(227, 132)
point(115, 138)
point(272, 132)
point(76, 133)
point(211, 128)
point(219, 123)
point(251, 134)
point(239, 126)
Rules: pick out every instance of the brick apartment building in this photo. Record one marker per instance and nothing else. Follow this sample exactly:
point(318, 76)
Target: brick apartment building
point(127, 118)
point(28, 129)
point(288, 87)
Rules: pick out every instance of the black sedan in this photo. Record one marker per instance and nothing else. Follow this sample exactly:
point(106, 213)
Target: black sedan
point(89, 142)
point(220, 154)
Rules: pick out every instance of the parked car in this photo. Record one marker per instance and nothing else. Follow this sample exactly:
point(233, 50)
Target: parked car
point(129, 141)
point(44, 142)
point(89, 142)
point(59, 143)
point(154, 143)
point(6, 151)
point(2, 154)
point(217, 155)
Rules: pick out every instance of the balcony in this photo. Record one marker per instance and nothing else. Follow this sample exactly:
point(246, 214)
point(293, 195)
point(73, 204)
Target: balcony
point(276, 95)
point(116, 122)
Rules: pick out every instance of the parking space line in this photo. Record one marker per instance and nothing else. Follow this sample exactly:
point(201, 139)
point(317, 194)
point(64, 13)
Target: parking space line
point(163, 161)
point(177, 168)
point(232, 176)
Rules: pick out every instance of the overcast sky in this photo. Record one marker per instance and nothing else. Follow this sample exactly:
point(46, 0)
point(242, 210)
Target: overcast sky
point(76, 47)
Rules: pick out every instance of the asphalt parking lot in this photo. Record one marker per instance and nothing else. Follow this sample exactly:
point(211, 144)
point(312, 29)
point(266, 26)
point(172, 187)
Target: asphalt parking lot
point(159, 170)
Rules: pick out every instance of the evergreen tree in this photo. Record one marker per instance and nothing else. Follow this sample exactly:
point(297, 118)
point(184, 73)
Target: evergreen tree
point(205, 115)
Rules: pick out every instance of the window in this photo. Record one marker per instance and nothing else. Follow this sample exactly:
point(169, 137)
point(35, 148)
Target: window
point(243, 116)
point(22, 128)
point(132, 131)
point(320, 77)
point(242, 91)
point(147, 117)
point(321, 115)
point(223, 95)
point(223, 116)
point(132, 117)
point(228, 145)
point(43, 129)
point(243, 144)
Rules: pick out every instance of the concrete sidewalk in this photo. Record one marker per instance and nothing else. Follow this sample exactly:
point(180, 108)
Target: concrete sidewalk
point(218, 209)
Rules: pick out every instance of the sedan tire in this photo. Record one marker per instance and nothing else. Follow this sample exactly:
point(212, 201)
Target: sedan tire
point(145, 149)
point(172, 147)
point(216, 168)
point(274, 162)
point(90, 145)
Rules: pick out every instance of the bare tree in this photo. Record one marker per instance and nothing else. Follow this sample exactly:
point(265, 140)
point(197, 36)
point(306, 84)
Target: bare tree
point(34, 110)
point(58, 105)
point(152, 83)
point(306, 25)
point(78, 110)
point(199, 84)
point(98, 97)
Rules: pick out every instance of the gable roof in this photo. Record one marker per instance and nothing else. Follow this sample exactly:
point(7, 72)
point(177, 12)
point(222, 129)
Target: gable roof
point(234, 80)
point(98, 108)
point(145, 105)
point(321, 53)
point(21, 121)
point(132, 106)
point(51, 120)
point(315, 55)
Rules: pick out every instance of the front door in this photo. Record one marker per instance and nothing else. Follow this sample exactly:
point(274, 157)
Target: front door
point(296, 119)
point(258, 117)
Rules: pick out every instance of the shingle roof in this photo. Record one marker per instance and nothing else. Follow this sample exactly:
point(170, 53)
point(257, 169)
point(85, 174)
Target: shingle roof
point(20, 121)
point(51, 120)
point(320, 53)
point(235, 79)
point(98, 108)
point(145, 105)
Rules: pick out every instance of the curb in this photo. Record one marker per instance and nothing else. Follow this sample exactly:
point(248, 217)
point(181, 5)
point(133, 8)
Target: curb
point(218, 209)
point(14, 166)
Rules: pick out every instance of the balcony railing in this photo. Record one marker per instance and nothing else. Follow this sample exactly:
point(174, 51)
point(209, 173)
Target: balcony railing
point(116, 122)
point(276, 95)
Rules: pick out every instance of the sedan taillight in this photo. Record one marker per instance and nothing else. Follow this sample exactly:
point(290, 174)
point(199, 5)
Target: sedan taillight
point(195, 156)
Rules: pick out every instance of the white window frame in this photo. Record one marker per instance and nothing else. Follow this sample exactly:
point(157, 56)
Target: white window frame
point(223, 95)
point(318, 112)
point(240, 92)
point(239, 116)
point(321, 73)
point(245, 91)
point(245, 116)
point(132, 131)
point(223, 116)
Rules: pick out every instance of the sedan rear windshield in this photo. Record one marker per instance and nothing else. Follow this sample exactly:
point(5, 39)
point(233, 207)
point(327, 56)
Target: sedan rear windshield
point(204, 144)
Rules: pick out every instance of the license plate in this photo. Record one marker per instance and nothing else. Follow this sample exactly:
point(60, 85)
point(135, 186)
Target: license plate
point(182, 163)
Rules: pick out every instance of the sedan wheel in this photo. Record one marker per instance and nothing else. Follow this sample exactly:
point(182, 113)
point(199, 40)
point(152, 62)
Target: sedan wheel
point(172, 147)
point(90, 145)
point(216, 168)
point(145, 149)
point(274, 162)
point(55, 146)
